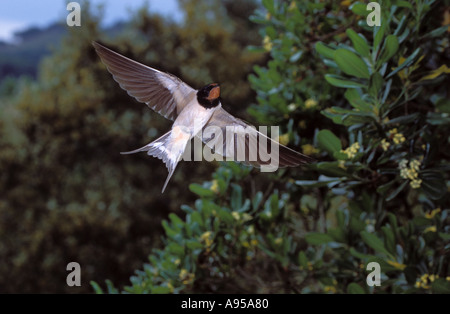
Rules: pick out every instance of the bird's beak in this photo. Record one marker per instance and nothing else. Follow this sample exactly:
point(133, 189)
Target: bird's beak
point(214, 93)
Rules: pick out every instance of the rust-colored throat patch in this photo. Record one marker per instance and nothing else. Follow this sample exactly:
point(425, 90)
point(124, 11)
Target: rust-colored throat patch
point(214, 93)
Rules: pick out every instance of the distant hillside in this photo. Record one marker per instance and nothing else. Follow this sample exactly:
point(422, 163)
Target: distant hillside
point(33, 44)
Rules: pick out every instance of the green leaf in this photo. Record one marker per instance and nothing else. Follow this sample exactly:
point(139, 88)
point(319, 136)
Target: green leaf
point(316, 238)
point(257, 200)
point(354, 98)
point(315, 183)
point(393, 222)
point(397, 191)
point(169, 231)
point(341, 82)
point(331, 169)
point(175, 248)
point(296, 56)
point(359, 42)
point(269, 5)
point(408, 61)
point(436, 118)
point(236, 196)
point(378, 36)
point(176, 221)
point(390, 49)
point(338, 234)
point(359, 114)
point(359, 9)
point(401, 25)
point(160, 290)
point(351, 64)
point(110, 287)
point(376, 84)
point(359, 255)
point(96, 287)
point(410, 274)
point(195, 217)
point(385, 187)
point(302, 259)
point(226, 216)
point(440, 286)
point(443, 105)
point(433, 184)
point(404, 119)
point(356, 224)
point(404, 4)
point(436, 32)
point(315, 6)
point(193, 244)
point(389, 239)
point(386, 91)
point(324, 50)
point(328, 141)
point(374, 242)
point(200, 190)
point(354, 288)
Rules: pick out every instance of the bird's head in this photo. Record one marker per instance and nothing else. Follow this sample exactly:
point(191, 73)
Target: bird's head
point(209, 95)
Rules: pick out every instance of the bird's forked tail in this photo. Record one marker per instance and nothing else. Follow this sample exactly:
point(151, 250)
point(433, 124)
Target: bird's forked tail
point(169, 148)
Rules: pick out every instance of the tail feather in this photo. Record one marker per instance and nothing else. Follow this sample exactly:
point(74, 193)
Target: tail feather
point(151, 146)
point(171, 168)
point(163, 148)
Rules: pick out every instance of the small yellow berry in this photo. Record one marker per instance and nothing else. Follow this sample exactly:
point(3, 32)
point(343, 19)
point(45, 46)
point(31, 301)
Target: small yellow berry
point(414, 164)
point(170, 286)
point(292, 6)
point(207, 238)
point(385, 144)
point(267, 43)
point(329, 289)
point(310, 103)
point(284, 139)
point(393, 131)
point(403, 164)
point(416, 183)
point(214, 187)
point(399, 138)
point(308, 149)
point(352, 150)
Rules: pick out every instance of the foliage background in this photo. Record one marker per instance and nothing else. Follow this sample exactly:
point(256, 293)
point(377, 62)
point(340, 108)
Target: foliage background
point(360, 99)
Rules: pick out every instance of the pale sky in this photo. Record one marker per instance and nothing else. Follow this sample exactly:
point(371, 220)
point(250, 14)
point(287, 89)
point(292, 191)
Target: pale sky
point(21, 14)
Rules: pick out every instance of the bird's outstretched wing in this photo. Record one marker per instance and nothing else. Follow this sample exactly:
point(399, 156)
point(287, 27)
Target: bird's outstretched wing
point(162, 92)
point(241, 142)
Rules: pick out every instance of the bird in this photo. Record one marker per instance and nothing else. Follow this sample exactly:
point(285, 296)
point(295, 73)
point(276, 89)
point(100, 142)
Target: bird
point(192, 111)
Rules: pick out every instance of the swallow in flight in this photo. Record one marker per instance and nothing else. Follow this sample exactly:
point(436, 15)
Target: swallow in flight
point(192, 111)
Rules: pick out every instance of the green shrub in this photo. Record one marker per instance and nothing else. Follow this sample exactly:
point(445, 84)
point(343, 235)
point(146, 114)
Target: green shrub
point(67, 195)
point(372, 105)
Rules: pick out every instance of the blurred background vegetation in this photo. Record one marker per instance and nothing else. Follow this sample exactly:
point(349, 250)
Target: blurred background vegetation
point(370, 103)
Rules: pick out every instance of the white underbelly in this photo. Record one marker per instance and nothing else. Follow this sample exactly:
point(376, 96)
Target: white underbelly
point(192, 119)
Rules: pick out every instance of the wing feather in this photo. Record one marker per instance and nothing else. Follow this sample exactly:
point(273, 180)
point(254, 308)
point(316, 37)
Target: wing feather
point(162, 92)
point(245, 136)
